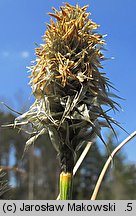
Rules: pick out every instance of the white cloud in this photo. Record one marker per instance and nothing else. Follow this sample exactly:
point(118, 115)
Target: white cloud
point(25, 54)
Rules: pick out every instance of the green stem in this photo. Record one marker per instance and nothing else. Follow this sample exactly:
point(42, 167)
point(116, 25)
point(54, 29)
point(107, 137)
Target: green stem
point(66, 186)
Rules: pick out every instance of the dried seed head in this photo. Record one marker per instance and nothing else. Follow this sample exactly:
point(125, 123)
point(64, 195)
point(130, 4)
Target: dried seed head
point(69, 87)
point(71, 48)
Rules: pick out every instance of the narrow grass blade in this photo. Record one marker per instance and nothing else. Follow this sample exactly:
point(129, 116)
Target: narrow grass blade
point(98, 184)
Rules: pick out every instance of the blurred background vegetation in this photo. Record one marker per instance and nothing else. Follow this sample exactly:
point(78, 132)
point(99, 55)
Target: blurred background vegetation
point(36, 176)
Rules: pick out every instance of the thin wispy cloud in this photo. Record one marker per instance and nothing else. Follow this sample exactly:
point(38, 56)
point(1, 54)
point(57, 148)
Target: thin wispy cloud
point(24, 54)
point(5, 54)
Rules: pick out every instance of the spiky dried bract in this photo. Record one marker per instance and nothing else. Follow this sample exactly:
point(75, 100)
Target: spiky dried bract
point(4, 187)
point(69, 87)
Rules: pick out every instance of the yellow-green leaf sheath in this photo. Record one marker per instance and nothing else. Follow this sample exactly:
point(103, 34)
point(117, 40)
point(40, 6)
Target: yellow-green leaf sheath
point(65, 186)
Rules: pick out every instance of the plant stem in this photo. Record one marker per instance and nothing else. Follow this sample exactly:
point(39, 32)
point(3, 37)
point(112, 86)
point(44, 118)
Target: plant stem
point(66, 186)
point(80, 160)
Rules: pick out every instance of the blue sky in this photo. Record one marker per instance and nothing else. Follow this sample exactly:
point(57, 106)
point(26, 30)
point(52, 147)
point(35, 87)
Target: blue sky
point(23, 23)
